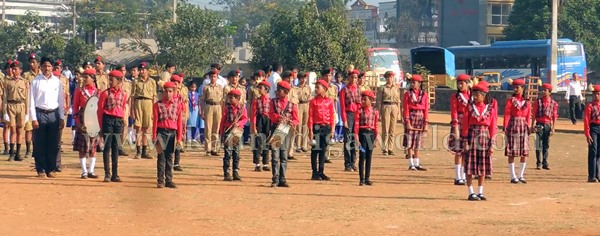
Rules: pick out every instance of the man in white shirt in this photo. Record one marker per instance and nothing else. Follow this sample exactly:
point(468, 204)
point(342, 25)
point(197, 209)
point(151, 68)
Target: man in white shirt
point(221, 81)
point(46, 109)
point(275, 78)
point(574, 97)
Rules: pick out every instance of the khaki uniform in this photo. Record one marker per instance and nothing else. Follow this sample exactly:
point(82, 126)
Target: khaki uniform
point(126, 86)
point(239, 87)
point(30, 76)
point(143, 95)
point(304, 96)
point(65, 84)
point(212, 97)
point(102, 82)
point(165, 76)
point(252, 94)
point(183, 92)
point(388, 104)
point(332, 93)
point(15, 95)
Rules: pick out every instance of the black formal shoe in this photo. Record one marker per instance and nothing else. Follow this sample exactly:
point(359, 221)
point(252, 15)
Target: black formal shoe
point(160, 185)
point(41, 175)
point(420, 168)
point(522, 180)
point(92, 176)
point(328, 161)
point(257, 169)
point(5, 152)
point(412, 168)
point(236, 176)
point(115, 179)
point(27, 154)
point(488, 177)
point(170, 185)
point(11, 157)
point(315, 177)
point(227, 177)
point(459, 182)
point(538, 167)
point(215, 154)
point(50, 175)
point(369, 182)
point(106, 178)
point(291, 158)
point(99, 149)
point(385, 153)
point(514, 181)
point(18, 157)
point(274, 185)
point(480, 196)
point(361, 183)
point(324, 177)
point(146, 156)
point(354, 168)
point(474, 197)
point(177, 168)
point(304, 150)
point(283, 185)
point(84, 176)
point(391, 153)
point(348, 169)
point(592, 180)
point(266, 168)
point(123, 153)
point(544, 167)
point(58, 169)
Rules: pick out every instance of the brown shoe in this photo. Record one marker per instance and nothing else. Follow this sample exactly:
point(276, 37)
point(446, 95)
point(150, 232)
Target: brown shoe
point(51, 175)
point(421, 168)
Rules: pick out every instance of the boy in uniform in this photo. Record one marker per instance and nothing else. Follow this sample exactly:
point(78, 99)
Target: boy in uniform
point(33, 72)
point(233, 77)
point(211, 111)
point(181, 96)
point(167, 132)
point(365, 130)
point(350, 103)
point(332, 92)
point(67, 97)
point(283, 111)
point(143, 96)
point(545, 113)
point(320, 125)
point(101, 77)
point(234, 117)
point(388, 103)
point(261, 126)
point(6, 129)
point(288, 76)
point(304, 96)
point(15, 91)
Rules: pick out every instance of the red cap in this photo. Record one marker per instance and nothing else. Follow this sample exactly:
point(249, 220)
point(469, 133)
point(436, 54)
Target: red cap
point(182, 75)
point(56, 73)
point(57, 63)
point(368, 93)
point(547, 86)
point(176, 78)
point(32, 56)
point(482, 86)
point(116, 73)
point(596, 88)
point(265, 83)
point(89, 71)
point(98, 59)
point(518, 82)
point(354, 72)
point(285, 85)
point(235, 92)
point(323, 83)
point(417, 78)
point(463, 77)
point(169, 85)
point(10, 61)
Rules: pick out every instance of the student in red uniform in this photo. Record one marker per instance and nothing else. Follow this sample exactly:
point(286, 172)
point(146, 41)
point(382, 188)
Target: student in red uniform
point(545, 113)
point(591, 129)
point(416, 114)
point(320, 126)
point(478, 129)
point(261, 126)
point(283, 111)
point(366, 130)
point(111, 110)
point(349, 104)
point(177, 96)
point(516, 127)
point(167, 131)
point(458, 106)
point(234, 116)
point(83, 143)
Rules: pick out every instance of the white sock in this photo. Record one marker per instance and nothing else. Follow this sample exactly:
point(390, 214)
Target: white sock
point(73, 135)
point(523, 164)
point(457, 172)
point(511, 169)
point(83, 163)
point(471, 190)
point(462, 172)
point(411, 161)
point(480, 189)
point(265, 165)
point(92, 164)
point(257, 165)
point(417, 161)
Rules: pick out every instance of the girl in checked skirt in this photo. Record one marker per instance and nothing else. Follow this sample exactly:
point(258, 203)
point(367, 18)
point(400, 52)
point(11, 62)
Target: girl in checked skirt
point(477, 131)
point(83, 143)
point(416, 112)
point(458, 106)
point(516, 126)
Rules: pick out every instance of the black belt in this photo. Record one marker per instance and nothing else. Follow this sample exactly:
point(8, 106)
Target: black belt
point(303, 102)
point(165, 130)
point(389, 103)
point(40, 110)
point(211, 103)
point(15, 102)
point(142, 98)
point(365, 130)
point(542, 123)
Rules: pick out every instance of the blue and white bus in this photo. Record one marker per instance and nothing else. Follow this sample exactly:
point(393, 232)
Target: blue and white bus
point(519, 59)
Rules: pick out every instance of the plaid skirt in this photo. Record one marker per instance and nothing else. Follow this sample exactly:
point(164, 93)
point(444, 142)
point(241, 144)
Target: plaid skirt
point(517, 138)
point(84, 144)
point(414, 139)
point(477, 160)
point(454, 144)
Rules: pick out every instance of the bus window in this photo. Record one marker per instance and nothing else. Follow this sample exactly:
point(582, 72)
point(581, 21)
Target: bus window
point(569, 50)
point(469, 66)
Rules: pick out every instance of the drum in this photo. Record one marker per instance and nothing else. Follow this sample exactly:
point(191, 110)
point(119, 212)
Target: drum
point(235, 134)
point(90, 117)
point(279, 134)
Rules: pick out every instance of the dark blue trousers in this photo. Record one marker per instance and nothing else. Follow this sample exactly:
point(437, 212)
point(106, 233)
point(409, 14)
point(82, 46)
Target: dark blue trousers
point(46, 139)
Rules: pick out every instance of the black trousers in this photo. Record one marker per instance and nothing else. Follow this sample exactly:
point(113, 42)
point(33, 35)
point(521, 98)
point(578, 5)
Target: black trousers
point(177, 156)
point(349, 142)
point(542, 143)
point(366, 137)
point(232, 151)
point(112, 127)
point(164, 164)
point(59, 153)
point(322, 134)
point(574, 108)
point(47, 141)
point(261, 148)
point(593, 152)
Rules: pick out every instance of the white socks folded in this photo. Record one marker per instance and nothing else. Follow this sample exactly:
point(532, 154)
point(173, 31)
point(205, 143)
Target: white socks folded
point(417, 161)
point(92, 164)
point(471, 191)
point(522, 173)
point(411, 161)
point(83, 163)
point(457, 174)
point(511, 169)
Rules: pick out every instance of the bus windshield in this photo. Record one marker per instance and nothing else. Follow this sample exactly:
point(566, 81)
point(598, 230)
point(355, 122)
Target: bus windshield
point(385, 59)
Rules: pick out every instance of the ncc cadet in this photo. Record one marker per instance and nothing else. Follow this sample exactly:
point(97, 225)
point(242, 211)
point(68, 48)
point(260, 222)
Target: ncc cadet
point(167, 132)
point(254, 92)
point(288, 76)
point(350, 100)
point(233, 77)
point(416, 113)
point(67, 96)
point(126, 86)
point(102, 78)
point(85, 145)
point(34, 71)
point(516, 125)
point(134, 74)
point(261, 126)
point(6, 129)
point(362, 83)
point(16, 91)
point(459, 103)
point(220, 80)
point(283, 111)
point(304, 94)
point(545, 113)
point(365, 130)
point(143, 95)
point(181, 96)
point(591, 129)
point(332, 92)
point(111, 111)
point(388, 104)
point(320, 126)
point(211, 111)
point(234, 116)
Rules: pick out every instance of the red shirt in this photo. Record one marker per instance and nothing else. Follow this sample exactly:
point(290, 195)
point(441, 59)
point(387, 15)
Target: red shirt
point(80, 98)
point(516, 106)
point(170, 122)
point(545, 103)
point(265, 100)
point(372, 121)
point(458, 105)
point(352, 107)
point(591, 116)
point(411, 102)
point(481, 114)
point(118, 110)
point(281, 104)
point(321, 112)
point(225, 123)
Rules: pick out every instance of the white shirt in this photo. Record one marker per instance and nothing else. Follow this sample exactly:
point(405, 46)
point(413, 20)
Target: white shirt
point(47, 94)
point(574, 89)
point(273, 80)
point(221, 81)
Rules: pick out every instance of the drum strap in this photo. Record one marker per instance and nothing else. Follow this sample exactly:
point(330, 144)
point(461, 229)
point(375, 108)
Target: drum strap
point(235, 121)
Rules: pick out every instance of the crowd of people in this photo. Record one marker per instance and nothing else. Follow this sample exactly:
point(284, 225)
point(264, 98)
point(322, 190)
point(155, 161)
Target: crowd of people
point(275, 111)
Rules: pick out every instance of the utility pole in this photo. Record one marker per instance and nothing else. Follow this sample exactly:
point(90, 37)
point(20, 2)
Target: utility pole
point(3, 10)
point(554, 45)
point(74, 20)
point(174, 11)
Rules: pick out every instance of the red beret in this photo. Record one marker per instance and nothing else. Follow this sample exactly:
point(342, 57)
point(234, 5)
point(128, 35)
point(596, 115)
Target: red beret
point(32, 56)
point(13, 64)
point(482, 86)
point(235, 92)
point(368, 93)
point(213, 72)
point(10, 61)
point(596, 88)
point(463, 77)
point(518, 82)
point(182, 75)
point(169, 85)
point(98, 59)
point(323, 83)
point(265, 83)
point(547, 86)
point(285, 85)
point(116, 73)
point(56, 73)
point(176, 78)
point(354, 72)
point(57, 63)
point(143, 65)
point(89, 71)
point(417, 78)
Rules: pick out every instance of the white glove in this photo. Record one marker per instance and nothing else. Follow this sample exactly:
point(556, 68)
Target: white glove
point(71, 110)
point(6, 118)
point(26, 118)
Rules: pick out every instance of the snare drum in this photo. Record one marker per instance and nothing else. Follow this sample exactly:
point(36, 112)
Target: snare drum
point(280, 132)
point(235, 134)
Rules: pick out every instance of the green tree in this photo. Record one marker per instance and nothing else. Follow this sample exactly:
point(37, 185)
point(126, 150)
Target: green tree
point(77, 52)
point(529, 19)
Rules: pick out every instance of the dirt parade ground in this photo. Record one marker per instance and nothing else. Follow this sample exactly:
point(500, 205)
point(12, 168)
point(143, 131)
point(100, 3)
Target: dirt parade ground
point(401, 202)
